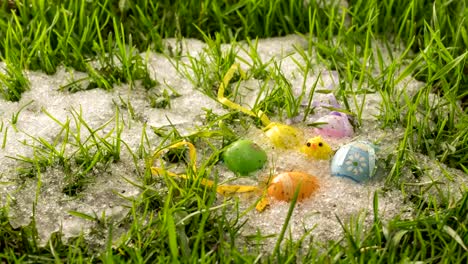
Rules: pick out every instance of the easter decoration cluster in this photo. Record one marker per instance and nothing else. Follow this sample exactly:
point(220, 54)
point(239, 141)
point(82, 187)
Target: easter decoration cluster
point(355, 160)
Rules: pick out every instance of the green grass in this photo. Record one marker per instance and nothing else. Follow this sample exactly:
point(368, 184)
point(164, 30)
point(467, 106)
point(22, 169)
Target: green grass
point(183, 222)
point(81, 153)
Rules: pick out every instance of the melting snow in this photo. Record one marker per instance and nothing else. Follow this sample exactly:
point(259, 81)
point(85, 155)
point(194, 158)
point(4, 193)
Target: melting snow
point(337, 197)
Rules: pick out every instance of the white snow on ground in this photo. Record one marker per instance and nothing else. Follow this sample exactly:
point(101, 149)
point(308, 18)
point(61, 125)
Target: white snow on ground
point(337, 197)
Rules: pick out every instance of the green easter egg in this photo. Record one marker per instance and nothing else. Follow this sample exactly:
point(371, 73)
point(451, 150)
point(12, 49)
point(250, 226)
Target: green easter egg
point(244, 156)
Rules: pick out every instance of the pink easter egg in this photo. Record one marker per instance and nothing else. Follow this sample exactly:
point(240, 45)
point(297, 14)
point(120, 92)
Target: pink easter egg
point(335, 125)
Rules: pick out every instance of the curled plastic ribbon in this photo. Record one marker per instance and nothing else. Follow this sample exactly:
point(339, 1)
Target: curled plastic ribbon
point(281, 135)
point(221, 189)
point(282, 187)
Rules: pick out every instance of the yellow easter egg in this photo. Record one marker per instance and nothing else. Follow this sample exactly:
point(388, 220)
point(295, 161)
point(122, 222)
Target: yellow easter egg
point(283, 136)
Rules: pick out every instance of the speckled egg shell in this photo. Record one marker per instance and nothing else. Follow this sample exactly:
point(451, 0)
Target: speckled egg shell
point(283, 136)
point(337, 126)
point(244, 157)
point(283, 186)
point(355, 160)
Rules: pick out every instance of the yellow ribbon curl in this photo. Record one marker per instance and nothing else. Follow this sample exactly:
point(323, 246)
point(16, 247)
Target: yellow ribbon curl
point(281, 135)
point(221, 189)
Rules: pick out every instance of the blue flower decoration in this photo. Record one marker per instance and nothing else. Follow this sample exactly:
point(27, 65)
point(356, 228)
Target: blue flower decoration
point(355, 160)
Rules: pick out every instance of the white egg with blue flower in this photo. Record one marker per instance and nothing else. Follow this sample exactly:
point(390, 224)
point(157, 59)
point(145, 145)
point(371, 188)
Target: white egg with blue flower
point(355, 160)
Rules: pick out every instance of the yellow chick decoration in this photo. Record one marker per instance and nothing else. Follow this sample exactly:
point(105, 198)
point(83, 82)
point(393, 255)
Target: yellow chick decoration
point(317, 148)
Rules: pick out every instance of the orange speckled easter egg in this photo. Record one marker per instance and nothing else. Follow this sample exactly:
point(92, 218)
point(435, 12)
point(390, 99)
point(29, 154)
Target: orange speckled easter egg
point(283, 186)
